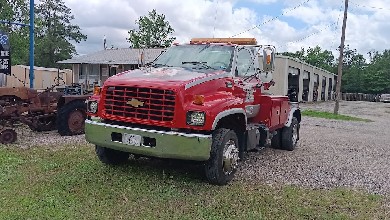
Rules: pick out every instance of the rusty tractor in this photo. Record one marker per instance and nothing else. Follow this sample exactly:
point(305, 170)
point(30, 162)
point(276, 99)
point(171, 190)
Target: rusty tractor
point(40, 111)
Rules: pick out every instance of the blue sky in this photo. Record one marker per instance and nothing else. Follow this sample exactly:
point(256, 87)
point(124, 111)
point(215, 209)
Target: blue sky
point(313, 23)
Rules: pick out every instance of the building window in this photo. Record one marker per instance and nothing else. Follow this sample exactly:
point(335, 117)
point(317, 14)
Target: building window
point(83, 71)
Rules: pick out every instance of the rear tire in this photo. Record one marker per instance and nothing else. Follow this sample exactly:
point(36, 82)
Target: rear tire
point(290, 135)
point(71, 118)
point(224, 157)
point(276, 141)
point(111, 156)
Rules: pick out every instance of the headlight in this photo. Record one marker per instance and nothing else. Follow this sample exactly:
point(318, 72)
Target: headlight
point(93, 107)
point(196, 118)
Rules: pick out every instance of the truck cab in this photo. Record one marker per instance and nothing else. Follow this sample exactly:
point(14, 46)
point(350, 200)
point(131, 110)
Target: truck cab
point(201, 101)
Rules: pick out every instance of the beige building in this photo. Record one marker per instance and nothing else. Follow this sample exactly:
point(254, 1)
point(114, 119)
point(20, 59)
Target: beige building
point(311, 83)
point(94, 69)
point(44, 77)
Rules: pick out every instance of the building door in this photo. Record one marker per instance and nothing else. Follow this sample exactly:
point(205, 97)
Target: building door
point(306, 86)
point(293, 84)
point(330, 89)
point(315, 87)
point(323, 88)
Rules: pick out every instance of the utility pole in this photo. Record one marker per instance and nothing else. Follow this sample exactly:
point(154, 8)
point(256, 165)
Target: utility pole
point(340, 67)
point(31, 44)
point(31, 27)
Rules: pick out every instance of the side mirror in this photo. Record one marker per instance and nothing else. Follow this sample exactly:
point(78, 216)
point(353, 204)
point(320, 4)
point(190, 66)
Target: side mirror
point(268, 59)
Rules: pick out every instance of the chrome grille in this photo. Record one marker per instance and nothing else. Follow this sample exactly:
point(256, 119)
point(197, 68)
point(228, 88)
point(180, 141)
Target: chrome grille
point(140, 103)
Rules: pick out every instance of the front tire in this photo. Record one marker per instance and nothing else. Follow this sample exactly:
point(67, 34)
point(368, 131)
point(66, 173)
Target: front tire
point(224, 157)
point(111, 156)
point(290, 135)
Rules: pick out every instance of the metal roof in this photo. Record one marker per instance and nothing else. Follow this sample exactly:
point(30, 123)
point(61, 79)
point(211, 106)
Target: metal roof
point(55, 70)
point(116, 56)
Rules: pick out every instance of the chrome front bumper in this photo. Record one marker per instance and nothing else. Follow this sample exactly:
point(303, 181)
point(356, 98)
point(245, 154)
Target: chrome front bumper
point(154, 143)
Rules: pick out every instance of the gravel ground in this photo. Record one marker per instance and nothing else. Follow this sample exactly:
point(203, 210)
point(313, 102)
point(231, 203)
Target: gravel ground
point(331, 153)
point(27, 139)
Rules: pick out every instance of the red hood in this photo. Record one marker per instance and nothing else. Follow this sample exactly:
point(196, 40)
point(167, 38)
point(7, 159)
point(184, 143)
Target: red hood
point(166, 77)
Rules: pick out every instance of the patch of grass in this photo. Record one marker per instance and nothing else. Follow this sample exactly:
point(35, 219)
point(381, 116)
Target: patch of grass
point(329, 115)
point(70, 183)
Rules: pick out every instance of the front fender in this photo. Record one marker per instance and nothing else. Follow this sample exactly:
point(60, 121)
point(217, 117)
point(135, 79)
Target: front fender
point(294, 112)
point(227, 113)
point(216, 107)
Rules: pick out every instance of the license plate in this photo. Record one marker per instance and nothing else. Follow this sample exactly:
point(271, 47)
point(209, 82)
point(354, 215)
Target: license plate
point(132, 139)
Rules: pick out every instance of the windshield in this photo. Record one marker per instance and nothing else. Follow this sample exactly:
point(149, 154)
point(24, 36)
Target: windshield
point(208, 56)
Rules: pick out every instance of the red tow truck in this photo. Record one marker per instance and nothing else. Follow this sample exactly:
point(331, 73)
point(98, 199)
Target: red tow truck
point(202, 101)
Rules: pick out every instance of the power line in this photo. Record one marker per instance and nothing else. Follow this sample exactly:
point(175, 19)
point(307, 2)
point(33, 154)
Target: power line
point(364, 6)
point(272, 19)
point(337, 25)
point(312, 34)
point(334, 24)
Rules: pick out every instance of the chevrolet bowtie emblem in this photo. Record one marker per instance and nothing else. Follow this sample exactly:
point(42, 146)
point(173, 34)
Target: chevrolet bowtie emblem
point(135, 103)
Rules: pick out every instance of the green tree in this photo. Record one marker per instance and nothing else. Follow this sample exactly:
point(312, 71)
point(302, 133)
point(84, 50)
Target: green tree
point(315, 56)
point(377, 74)
point(353, 71)
point(153, 31)
point(319, 58)
point(300, 54)
point(16, 11)
point(54, 33)
point(352, 58)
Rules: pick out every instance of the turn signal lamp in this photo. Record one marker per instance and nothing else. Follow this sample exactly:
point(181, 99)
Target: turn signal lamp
point(269, 59)
point(96, 90)
point(198, 100)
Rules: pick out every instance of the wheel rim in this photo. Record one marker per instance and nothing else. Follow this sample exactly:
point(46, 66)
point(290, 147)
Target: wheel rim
point(8, 136)
point(295, 133)
point(230, 157)
point(76, 121)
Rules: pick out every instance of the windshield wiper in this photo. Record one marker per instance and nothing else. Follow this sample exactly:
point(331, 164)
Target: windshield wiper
point(159, 65)
point(204, 64)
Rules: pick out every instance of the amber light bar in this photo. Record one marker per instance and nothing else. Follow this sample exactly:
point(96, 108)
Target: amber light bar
point(239, 41)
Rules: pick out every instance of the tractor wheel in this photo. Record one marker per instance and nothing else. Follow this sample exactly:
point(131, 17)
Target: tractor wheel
point(224, 157)
point(111, 156)
point(290, 135)
point(8, 136)
point(71, 118)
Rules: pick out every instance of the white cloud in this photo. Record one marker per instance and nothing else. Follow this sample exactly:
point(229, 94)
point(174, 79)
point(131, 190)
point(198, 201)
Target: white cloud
point(263, 1)
point(367, 27)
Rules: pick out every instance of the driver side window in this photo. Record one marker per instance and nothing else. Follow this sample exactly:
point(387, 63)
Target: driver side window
point(244, 63)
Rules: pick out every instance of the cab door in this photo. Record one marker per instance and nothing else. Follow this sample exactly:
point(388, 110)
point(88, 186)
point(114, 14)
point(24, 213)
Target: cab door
point(245, 78)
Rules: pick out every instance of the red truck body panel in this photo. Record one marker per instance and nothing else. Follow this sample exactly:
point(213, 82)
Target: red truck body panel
point(163, 96)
